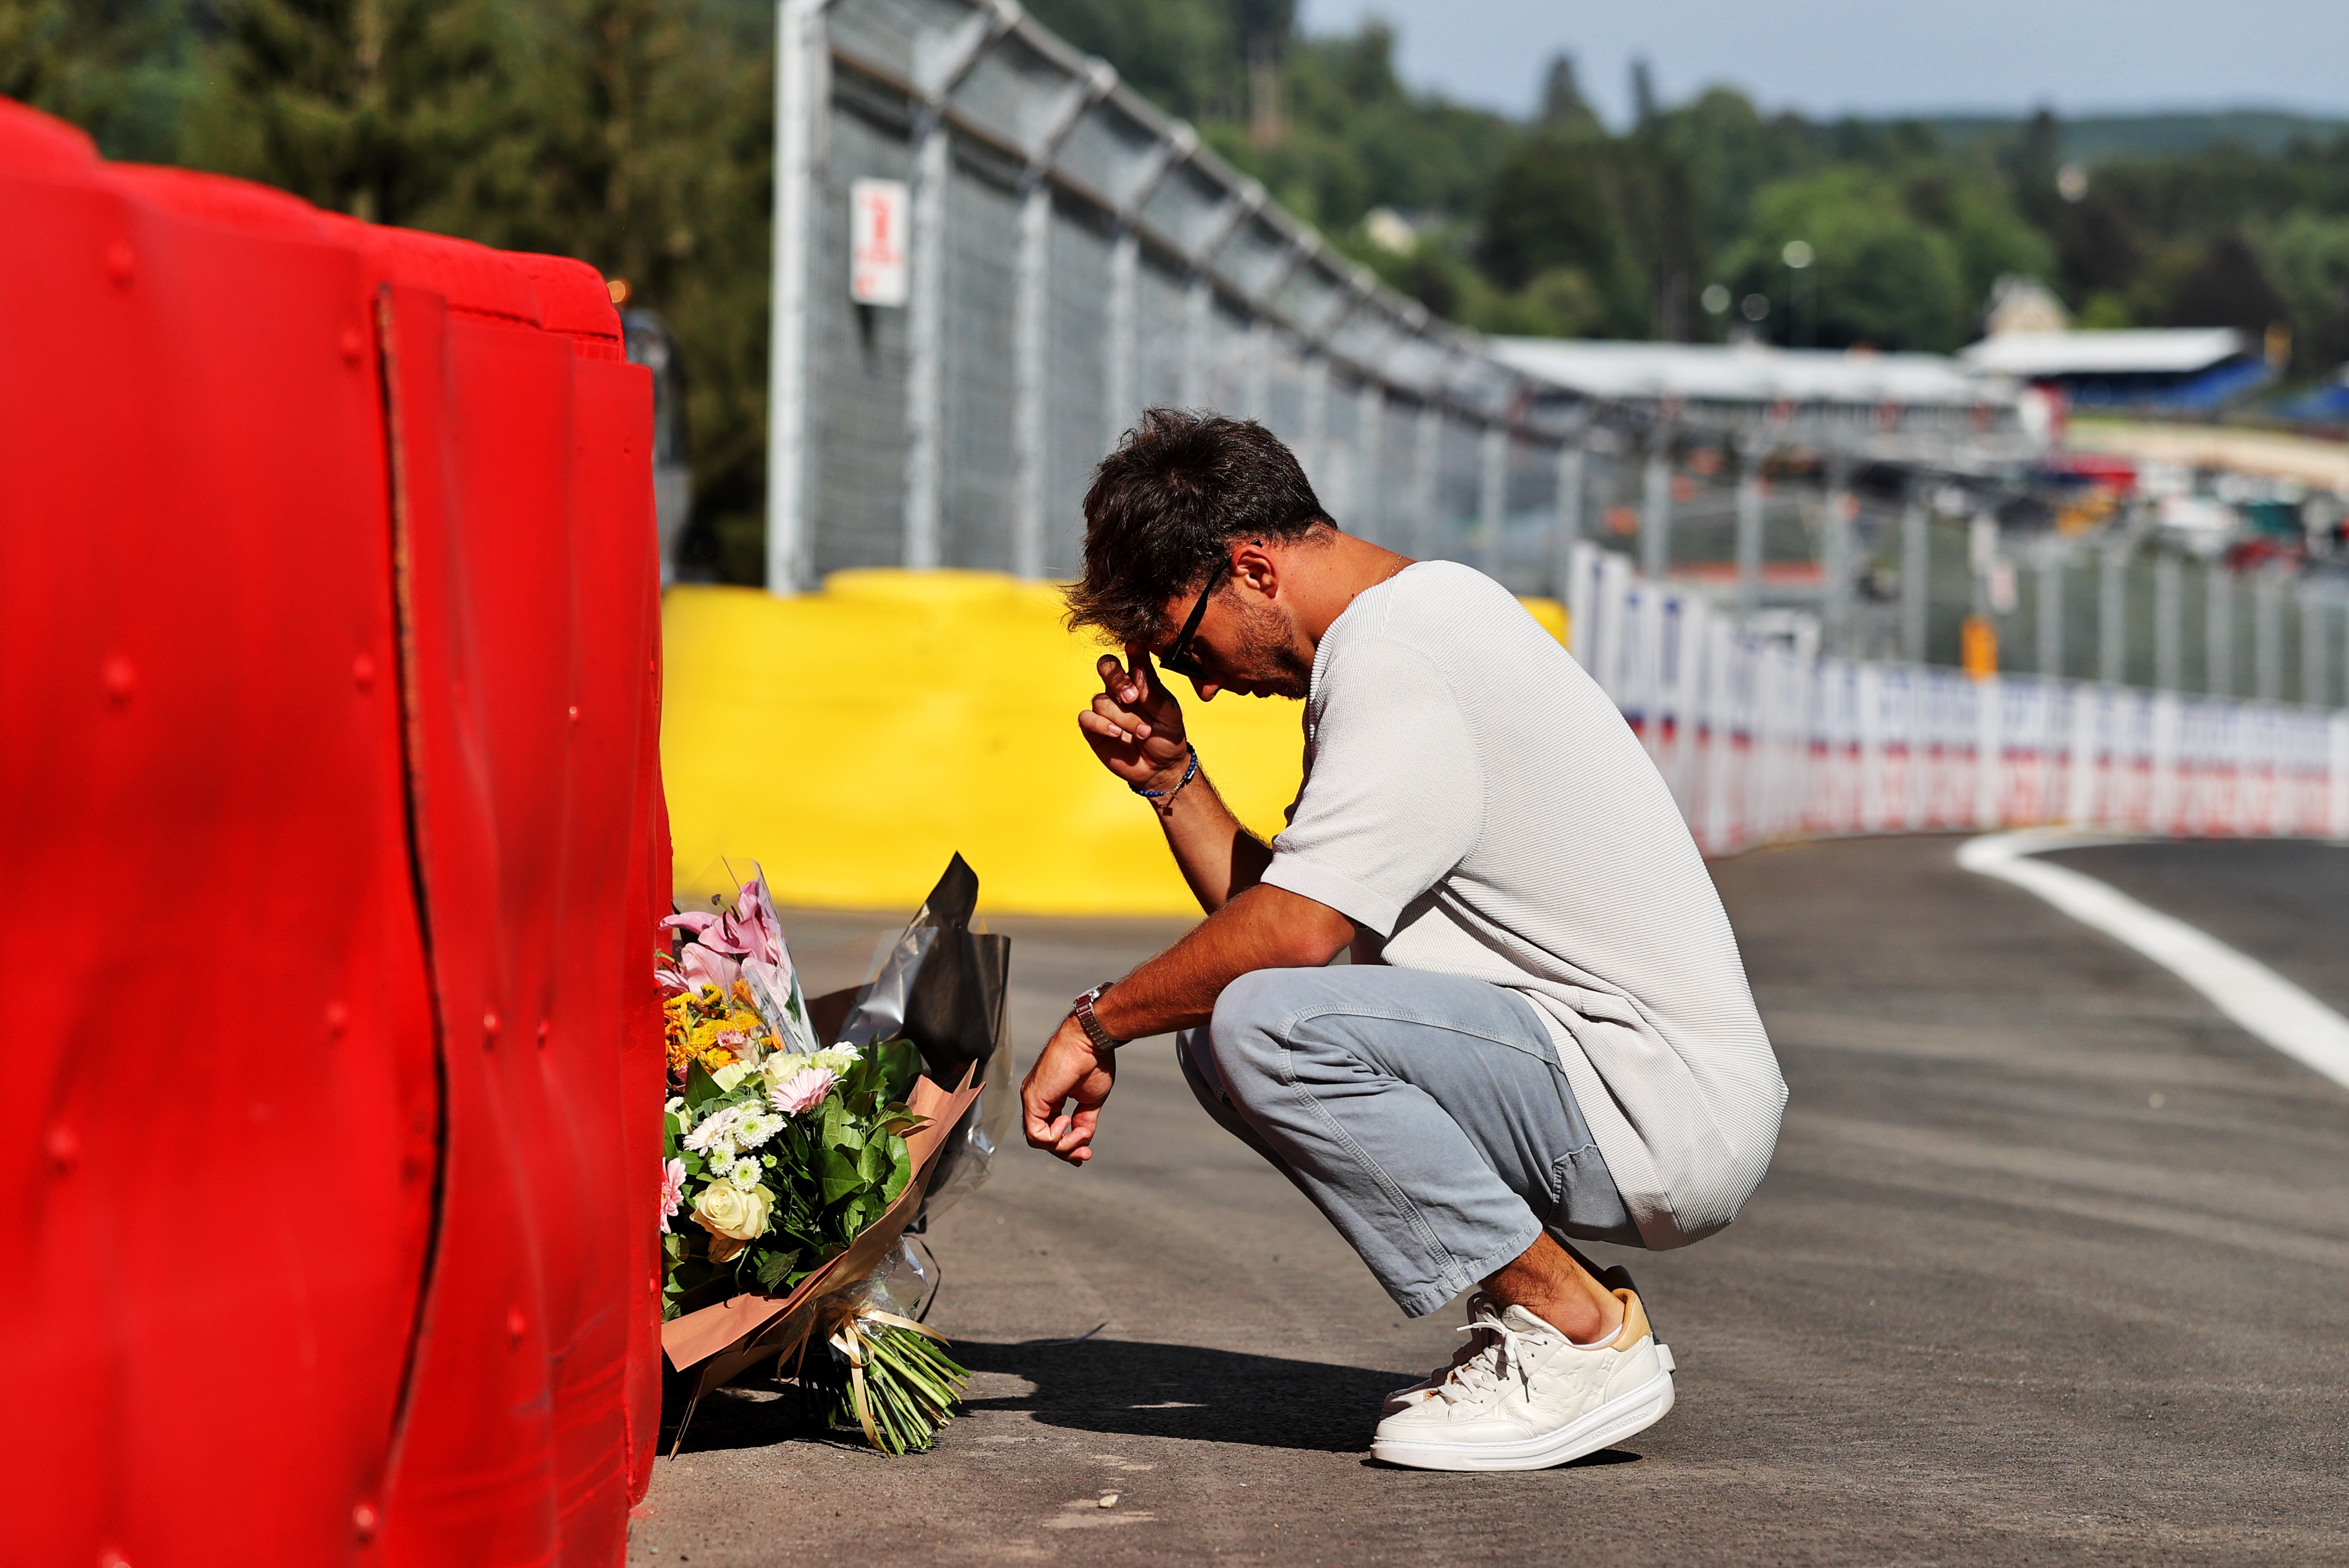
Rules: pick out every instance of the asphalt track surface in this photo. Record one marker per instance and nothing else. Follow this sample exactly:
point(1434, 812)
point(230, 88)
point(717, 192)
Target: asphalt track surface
point(2052, 1266)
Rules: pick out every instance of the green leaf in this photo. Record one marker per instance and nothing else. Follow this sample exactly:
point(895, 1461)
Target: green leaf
point(901, 1170)
point(774, 1266)
point(700, 1088)
point(872, 1162)
point(836, 1175)
point(900, 1063)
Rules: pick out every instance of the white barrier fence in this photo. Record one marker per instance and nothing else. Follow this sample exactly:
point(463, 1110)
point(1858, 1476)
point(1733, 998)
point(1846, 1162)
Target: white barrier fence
point(1761, 738)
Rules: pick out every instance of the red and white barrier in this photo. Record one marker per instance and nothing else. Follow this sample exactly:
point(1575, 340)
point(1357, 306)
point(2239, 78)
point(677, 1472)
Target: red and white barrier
point(1761, 738)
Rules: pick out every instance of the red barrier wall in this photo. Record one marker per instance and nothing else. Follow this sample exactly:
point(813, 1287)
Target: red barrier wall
point(332, 845)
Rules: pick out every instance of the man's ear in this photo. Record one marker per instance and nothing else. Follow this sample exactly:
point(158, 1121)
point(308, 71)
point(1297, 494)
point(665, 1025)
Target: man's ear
point(1254, 568)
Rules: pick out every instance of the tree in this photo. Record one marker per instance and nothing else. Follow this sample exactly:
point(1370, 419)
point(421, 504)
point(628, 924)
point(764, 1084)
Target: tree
point(2307, 256)
point(2226, 286)
point(386, 110)
point(1878, 277)
point(1564, 111)
point(1554, 203)
point(115, 68)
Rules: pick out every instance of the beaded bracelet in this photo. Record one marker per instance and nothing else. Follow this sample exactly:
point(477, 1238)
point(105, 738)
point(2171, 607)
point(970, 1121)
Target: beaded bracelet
point(1168, 794)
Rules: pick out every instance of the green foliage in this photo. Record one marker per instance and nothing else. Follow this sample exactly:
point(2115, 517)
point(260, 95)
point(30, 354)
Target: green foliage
point(637, 135)
point(117, 68)
point(2307, 256)
point(1880, 277)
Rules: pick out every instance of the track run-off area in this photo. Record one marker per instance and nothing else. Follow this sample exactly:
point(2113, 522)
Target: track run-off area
point(2052, 1266)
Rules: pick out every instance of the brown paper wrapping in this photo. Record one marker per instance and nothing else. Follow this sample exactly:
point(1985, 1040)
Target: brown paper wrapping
point(726, 1339)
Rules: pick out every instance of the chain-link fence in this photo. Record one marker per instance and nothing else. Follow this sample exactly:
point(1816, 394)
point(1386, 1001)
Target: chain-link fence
point(1073, 257)
point(1069, 256)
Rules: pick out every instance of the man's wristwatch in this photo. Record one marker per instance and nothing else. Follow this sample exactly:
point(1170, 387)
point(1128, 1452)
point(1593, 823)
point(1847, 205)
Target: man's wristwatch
point(1081, 1009)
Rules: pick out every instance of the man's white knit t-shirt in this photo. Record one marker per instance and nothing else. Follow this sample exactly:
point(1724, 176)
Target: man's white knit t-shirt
point(1472, 796)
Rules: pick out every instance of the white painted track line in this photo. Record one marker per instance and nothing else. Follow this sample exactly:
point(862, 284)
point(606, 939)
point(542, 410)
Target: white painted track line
point(2241, 987)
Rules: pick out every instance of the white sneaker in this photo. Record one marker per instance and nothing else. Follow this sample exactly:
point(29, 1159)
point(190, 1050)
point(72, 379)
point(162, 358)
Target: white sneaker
point(1480, 1305)
point(1525, 1397)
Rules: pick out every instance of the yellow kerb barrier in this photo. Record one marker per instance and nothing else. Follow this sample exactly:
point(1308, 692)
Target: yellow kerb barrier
point(851, 740)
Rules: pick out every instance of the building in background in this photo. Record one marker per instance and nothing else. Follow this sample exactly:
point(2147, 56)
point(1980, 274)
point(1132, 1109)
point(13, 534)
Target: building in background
point(2179, 367)
point(1924, 409)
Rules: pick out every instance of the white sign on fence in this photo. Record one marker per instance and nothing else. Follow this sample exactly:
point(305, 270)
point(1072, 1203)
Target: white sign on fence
point(878, 210)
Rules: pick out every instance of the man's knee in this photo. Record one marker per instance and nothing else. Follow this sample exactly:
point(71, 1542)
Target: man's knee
point(1248, 1031)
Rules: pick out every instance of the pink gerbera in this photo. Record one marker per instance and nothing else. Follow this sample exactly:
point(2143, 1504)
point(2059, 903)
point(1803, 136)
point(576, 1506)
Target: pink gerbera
point(672, 1190)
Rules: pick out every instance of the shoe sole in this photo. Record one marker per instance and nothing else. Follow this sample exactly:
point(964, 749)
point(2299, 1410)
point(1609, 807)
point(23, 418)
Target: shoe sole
point(1612, 1422)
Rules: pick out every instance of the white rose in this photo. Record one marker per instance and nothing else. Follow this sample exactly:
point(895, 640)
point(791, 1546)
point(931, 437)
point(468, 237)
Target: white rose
point(731, 1074)
point(833, 1059)
point(737, 1214)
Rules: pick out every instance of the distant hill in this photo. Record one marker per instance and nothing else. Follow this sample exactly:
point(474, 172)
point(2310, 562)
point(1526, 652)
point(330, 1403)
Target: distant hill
point(2098, 139)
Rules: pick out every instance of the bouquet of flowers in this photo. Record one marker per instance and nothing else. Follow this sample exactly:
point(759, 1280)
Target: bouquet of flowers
point(788, 1173)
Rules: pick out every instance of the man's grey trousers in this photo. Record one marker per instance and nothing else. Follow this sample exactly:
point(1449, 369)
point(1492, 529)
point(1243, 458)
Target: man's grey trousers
point(1425, 1114)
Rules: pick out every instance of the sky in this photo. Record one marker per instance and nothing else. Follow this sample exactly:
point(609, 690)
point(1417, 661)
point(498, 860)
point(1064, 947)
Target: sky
point(1877, 57)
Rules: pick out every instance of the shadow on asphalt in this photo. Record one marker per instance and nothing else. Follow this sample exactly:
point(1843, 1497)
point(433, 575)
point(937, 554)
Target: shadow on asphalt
point(1199, 1395)
point(1117, 1387)
point(1185, 1391)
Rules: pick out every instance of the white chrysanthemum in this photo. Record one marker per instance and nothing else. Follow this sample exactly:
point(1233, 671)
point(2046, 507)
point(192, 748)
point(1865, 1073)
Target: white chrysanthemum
point(722, 1126)
point(756, 1129)
point(746, 1173)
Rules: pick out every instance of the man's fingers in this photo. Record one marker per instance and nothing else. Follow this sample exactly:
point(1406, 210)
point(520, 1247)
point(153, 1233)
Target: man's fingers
point(1116, 681)
point(1079, 1132)
point(1143, 675)
point(1036, 1112)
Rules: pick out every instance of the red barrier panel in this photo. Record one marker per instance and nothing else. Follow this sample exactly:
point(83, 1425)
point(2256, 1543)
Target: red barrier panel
point(332, 841)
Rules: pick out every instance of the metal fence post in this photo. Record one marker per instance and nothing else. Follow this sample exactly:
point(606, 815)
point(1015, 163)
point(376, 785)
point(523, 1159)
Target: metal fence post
point(2315, 648)
point(1124, 332)
point(799, 100)
point(1656, 507)
point(1837, 538)
point(1370, 440)
point(1198, 302)
point(2218, 630)
point(1565, 520)
point(2112, 613)
point(1425, 485)
point(2168, 623)
point(1916, 578)
point(1492, 494)
point(2051, 612)
point(1030, 304)
point(1750, 456)
point(1256, 384)
point(926, 347)
point(1315, 436)
point(2267, 637)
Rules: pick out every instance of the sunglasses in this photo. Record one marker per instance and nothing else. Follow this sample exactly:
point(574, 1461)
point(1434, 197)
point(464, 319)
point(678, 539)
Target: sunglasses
point(1178, 658)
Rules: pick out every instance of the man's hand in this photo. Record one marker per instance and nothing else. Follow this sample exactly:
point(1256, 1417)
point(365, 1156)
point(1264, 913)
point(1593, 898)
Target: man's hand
point(1135, 725)
point(1067, 1073)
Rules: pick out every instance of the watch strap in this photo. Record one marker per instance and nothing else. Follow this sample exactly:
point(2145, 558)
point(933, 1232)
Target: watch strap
point(1081, 1009)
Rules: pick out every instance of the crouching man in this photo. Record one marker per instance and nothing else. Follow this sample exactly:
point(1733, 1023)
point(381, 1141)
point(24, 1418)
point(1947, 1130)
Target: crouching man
point(1545, 1033)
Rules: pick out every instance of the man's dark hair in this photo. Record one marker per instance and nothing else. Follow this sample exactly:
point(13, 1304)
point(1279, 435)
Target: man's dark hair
point(1166, 505)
